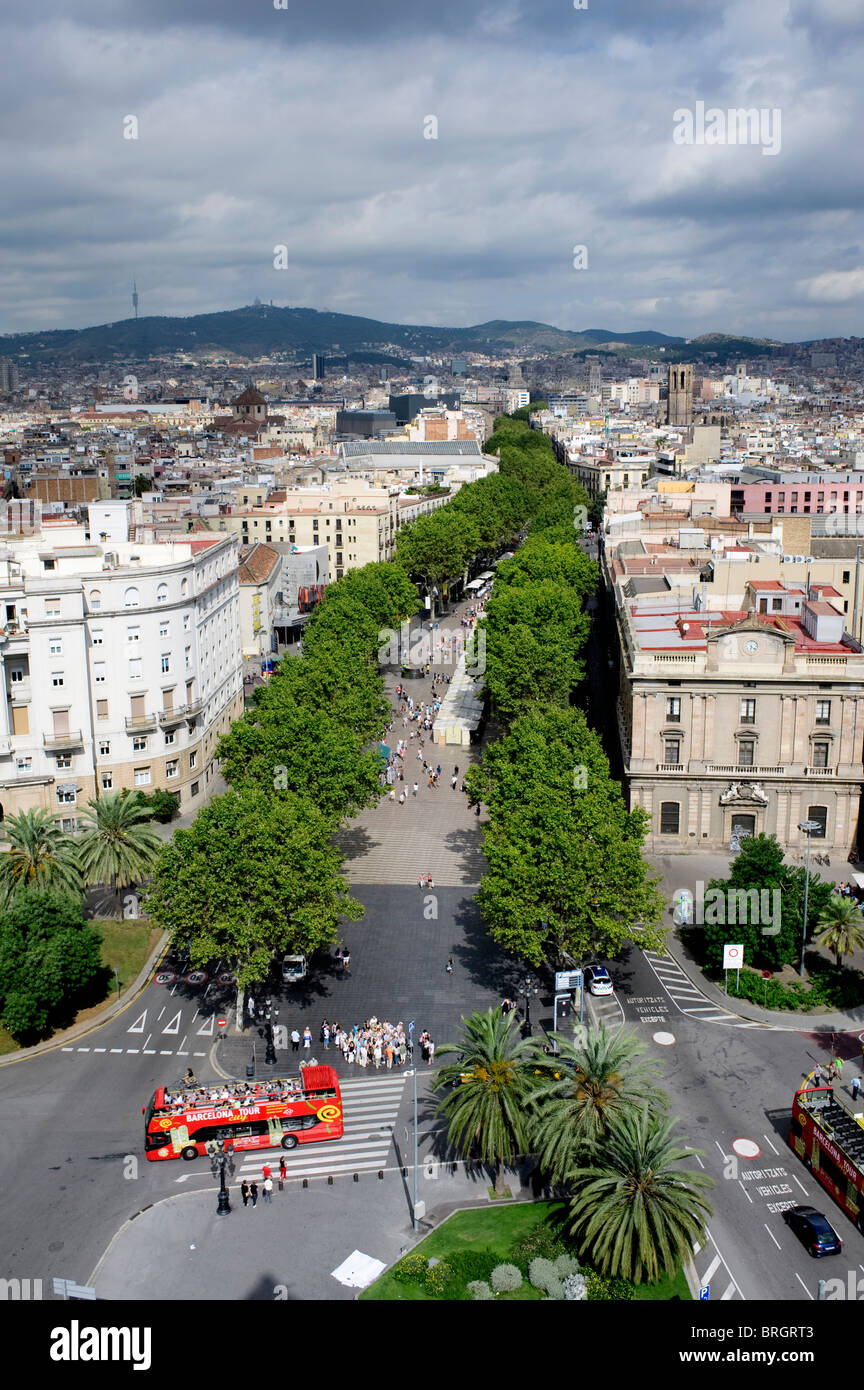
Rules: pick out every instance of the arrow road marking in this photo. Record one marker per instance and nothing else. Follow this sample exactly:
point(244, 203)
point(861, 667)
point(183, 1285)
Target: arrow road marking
point(138, 1025)
point(174, 1025)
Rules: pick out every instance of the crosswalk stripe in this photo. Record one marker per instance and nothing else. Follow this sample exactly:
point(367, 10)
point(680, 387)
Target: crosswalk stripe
point(730, 1293)
point(714, 1265)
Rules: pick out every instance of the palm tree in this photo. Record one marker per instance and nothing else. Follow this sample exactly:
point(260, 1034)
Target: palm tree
point(491, 1081)
point(635, 1210)
point(41, 854)
point(116, 846)
point(583, 1091)
point(842, 927)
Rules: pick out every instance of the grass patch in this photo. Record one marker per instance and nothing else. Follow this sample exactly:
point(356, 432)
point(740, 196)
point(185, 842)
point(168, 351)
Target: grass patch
point(475, 1241)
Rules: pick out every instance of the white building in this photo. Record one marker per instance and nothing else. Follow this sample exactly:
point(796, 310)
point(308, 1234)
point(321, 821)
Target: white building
point(120, 668)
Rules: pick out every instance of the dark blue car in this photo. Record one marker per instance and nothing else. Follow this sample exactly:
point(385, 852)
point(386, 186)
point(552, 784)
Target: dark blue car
point(814, 1231)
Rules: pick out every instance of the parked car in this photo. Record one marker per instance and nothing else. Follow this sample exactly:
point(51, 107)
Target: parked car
point(814, 1231)
point(598, 980)
point(293, 969)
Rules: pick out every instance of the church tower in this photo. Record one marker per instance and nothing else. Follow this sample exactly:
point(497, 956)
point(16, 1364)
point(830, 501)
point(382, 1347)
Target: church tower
point(680, 411)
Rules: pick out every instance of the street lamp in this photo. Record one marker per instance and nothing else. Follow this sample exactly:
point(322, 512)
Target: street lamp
point(527, 986)
point(225, 1158)
point(809, 827)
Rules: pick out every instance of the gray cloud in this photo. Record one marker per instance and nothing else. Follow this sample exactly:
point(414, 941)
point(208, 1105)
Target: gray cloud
point(304, 128)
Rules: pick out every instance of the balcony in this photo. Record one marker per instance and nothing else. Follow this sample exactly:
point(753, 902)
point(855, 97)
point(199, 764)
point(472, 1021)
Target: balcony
point(5, 746)
point(170, 718)
point(745, 774)
point(56, 743)
point(820, 772)
point(671, 767)
point(140, 723)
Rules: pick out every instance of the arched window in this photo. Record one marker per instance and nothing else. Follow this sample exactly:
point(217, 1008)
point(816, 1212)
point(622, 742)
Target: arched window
point(130, 598)
point(670, 817)
point(162, 593)
point(95, 599)
point(184, 587)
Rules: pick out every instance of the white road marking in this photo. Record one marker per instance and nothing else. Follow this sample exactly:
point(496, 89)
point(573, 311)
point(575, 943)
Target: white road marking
point(116, 1049)
point(149, 1051)
point(149, 1036)
point(174, 1025)
point(161, 1012)
point(714, 1265)
point(83, 1049)
point(138, 1025)
point(698, 1160)
point(163, 1053)
point(768, 1141)
point(772, 1235)
point(100, 1049)
point(199, 1054)
point(804, 1286)
point(181, 1052)
point(728, 1294)
point(801, 1185)
point(723, 1153)
point(746, 1193)
point(67, 1049)
point(206, 1029)
point(132, 1051)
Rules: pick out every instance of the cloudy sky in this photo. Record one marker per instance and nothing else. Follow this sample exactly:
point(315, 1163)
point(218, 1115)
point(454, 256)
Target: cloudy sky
point(303, 127)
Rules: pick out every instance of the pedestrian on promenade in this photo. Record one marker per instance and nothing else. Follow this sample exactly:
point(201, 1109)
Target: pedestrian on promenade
point(283, 1173)
point(346, 961)
point(856, 1087)
point(266, 1171)
point(295, 1040)
point(416, 788)
point(392, 794)
point(253, 1193)
point(401, 798)
point(456, 771)
point(817, 1076)
point(453, 780)
point(838, 1068)
point(244, 1192)
point(324, 1035)
point(307, 1038)
point(267, 1190)
point(430, 1051)
point(449, 966)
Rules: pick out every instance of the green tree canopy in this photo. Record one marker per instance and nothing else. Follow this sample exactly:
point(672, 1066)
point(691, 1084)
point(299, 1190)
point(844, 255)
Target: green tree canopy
point(841, 927)
point(254, 875)
point(47, 955)
point(118, 846)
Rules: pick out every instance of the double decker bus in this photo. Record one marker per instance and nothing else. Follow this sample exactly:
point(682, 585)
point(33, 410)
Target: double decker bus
point(181, 1120)
point(830, 1140)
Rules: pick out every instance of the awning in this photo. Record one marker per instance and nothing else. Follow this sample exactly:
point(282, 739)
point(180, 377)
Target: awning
point(474, 585)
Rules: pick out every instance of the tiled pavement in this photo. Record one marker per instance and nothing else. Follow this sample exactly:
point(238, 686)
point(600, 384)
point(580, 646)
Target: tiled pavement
point(435, 832)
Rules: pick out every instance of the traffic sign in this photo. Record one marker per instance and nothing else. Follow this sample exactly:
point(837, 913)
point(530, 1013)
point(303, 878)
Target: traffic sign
point(733, 957)
point(766, 974)
point(220, 1024)
point(567, 979)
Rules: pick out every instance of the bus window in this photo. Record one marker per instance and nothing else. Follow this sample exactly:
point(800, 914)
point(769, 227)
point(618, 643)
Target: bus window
point(299, 1121)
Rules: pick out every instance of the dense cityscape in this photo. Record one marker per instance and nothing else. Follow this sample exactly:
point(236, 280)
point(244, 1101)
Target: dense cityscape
point(432, 745)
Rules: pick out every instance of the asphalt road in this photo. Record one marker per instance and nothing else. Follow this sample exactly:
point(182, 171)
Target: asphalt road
point(734, 1082)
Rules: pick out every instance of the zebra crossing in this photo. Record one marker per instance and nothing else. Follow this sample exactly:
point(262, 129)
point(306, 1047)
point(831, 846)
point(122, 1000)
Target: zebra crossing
point(713, 1274)
point(690, 1000)
point(370, 1107)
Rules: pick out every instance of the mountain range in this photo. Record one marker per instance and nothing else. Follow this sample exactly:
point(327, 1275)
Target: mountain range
point(262, 330)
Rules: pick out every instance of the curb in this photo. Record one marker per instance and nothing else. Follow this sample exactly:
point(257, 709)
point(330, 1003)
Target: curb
point(90, 1025)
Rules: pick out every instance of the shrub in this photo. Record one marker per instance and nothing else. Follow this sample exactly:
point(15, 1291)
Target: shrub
point(575, 1288)
point(480, 1291)
point(468, 1265)
point(541, 1242)
point(411, 1270)
point(543, 1275)
point(438, 1276)
point(567, 1264)
point(506, 1278)
point(600, 1289)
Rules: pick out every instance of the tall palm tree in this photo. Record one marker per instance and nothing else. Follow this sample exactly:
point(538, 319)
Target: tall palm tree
point(634, 1209)
point(579, 1094)
point(491, 1081)
point(116, 845)
point(40, 854)
point(842, 927)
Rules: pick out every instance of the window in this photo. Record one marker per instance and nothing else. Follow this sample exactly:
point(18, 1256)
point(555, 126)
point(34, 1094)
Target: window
point(66, 796)
point(187, 653)
point(52, 608)
point(133, 634)
point(107, 781)
point(169, 740)
point(99, 669)
point(164, 629)
point(69, 825)
point(748, 711)
point(56, 677)
point(130, 598)
point(847, 575)
point(746, 750)
point(64, 760)
point(193, 790)
point(49, 564)
point(162, 593)
point(142, 777)
point(184, 587)
point(139, 743)
point(97, 637)
point(820, 754)
point(171, 769)
point(24, 764)
point(55, 646)
point(670, 816)
point(95, 600)
point(672, 750)
point(673, 711)
point(819, 814)
point(823, 711)
point(135, 668)
point(102, 708)
point(193, 759)
point(166, 663)
point(185, 622)
point(104, 748)
point(16, 675)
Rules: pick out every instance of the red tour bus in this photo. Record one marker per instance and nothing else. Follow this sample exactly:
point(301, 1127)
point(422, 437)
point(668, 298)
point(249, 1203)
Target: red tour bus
point(181, 1120)
point(830, 1140)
